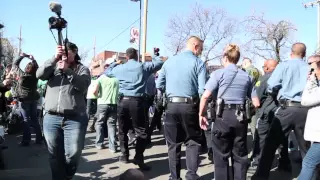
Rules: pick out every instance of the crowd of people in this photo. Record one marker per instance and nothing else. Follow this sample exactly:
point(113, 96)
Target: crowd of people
point(198, 109)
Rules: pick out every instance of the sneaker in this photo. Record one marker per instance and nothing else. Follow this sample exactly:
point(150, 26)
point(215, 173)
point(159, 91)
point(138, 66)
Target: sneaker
point(99, 147)
point(113, 151)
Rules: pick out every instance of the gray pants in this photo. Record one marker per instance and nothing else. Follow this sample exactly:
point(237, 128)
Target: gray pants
point(106, 112)
point(253, 125)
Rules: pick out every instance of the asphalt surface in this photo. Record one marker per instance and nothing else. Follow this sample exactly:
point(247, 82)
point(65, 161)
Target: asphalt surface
point(31, 162)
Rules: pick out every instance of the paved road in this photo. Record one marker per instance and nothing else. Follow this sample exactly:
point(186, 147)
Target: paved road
point(32, 163)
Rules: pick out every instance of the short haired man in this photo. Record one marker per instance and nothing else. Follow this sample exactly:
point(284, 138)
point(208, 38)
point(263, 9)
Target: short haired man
point(183, 77)
point(132, 77)
point(286, 84)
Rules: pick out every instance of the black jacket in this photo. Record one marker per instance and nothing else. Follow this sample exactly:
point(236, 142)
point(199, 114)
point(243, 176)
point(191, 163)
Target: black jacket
point(27, 83)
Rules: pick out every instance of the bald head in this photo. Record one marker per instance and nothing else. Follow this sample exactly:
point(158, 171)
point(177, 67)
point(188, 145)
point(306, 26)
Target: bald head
point(298, 50)
point(195, 44)
point(270, 65)
point(246, 63)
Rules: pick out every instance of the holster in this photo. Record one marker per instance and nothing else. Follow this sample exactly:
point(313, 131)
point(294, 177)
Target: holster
point(249, 109)
point(211, 110)
point(283, 103)
point(219, 107)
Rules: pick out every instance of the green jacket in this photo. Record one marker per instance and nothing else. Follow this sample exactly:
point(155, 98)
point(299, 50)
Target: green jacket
point(253, 73)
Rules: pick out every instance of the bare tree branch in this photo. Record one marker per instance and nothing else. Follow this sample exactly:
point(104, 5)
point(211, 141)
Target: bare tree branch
point(268, 40)
point(210, 24)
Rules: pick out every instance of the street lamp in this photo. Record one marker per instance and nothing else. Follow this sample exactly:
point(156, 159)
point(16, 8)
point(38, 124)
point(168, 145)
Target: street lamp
point(1, 26)
point(139, 45)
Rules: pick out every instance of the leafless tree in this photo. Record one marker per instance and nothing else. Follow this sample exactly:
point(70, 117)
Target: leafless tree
point(268, 39)
point(9, 51)
point(83, 53)
point(212, 25)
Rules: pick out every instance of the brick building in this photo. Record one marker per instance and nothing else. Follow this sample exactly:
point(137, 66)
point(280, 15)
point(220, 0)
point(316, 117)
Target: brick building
point(106, 57)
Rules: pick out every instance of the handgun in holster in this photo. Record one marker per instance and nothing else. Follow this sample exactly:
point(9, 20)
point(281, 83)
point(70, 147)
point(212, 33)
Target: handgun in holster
point(211, 111)
point(283, 103)
point(248, 109)
point(219, 107)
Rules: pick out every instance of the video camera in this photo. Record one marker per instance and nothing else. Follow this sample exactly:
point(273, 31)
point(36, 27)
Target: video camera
point(57, 23)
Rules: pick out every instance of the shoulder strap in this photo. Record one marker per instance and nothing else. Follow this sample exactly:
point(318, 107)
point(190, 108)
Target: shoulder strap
point(225, 90)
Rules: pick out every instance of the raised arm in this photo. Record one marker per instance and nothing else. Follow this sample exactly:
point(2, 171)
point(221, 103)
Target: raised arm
point(45, 72)
point(154, 65)
point(16, 65)
point(113, 69)
point(80, 81)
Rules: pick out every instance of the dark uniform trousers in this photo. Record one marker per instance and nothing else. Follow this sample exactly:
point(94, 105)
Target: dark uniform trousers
point(131, 114)
point(181, 125)
point(229, 138)
point(284, 121)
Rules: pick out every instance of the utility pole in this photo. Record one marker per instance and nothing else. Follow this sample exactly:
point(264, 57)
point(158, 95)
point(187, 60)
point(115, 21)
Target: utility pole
point(20, 40)
point(139, 43)
point(315, 3)
point(144, 40)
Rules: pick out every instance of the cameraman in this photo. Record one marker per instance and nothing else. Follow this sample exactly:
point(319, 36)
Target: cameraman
point(65, 120)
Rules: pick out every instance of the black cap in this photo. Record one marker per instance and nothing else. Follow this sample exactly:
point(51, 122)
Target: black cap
point(73, 47)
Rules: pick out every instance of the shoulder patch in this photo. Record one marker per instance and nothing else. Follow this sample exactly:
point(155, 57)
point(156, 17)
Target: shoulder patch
point(257, 83)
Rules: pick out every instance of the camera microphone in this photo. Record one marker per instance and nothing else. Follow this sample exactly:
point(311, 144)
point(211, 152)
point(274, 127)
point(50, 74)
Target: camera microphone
point(55, 7)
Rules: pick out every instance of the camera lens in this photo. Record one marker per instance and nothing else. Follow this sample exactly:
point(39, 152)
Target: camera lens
point(52, 20)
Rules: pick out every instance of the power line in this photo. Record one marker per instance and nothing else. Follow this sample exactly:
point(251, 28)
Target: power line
point(119, 34)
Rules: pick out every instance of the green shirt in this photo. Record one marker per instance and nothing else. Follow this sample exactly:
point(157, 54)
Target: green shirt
point(91, 88)
point(108, 90)
point(41, 86)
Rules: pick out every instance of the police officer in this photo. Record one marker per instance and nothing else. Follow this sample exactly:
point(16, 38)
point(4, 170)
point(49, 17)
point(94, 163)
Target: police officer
point(230, 127)
point(265, 103)
point(183, 78)
point(287, 83)
point(132, 78)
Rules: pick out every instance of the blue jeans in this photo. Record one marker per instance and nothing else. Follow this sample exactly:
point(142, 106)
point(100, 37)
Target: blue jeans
point(310, 162)
point(106, 113)
point(65, 139)
point(29, 113)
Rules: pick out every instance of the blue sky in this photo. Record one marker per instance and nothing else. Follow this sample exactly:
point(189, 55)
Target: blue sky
point(104, 19)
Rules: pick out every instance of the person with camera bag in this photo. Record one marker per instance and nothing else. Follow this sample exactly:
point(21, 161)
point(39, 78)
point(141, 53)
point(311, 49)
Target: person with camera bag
point(229, 130)
point(65, 120)
point(28, 97)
